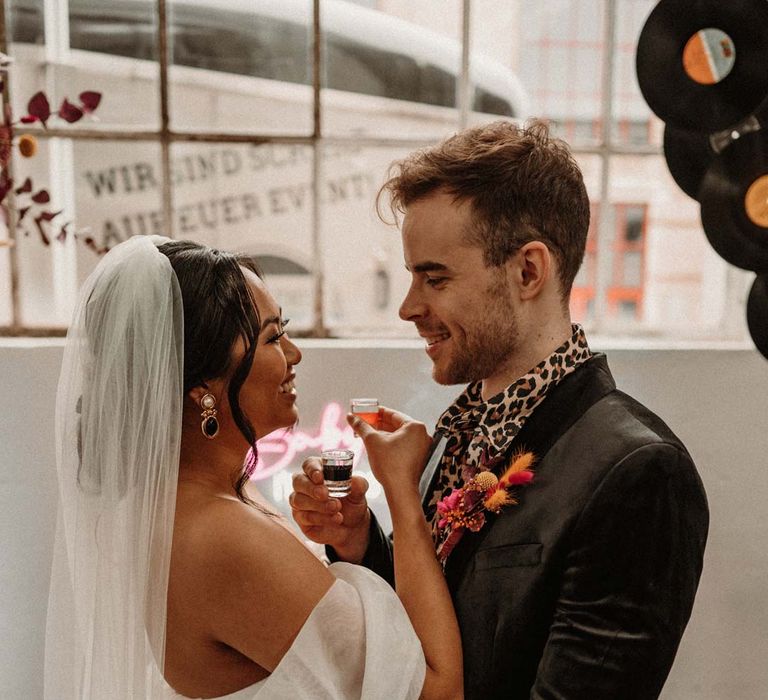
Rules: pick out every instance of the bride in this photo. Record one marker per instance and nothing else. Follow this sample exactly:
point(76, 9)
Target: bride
point(172, 576)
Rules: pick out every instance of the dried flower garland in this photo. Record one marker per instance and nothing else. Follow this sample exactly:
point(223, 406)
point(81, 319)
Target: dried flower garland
point(464, 509)
point(31, 205)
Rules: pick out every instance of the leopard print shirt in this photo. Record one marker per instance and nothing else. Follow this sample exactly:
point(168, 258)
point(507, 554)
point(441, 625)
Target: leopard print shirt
point(480, 432)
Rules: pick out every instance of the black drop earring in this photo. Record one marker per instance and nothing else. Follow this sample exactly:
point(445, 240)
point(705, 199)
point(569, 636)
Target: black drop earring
point(210, 424)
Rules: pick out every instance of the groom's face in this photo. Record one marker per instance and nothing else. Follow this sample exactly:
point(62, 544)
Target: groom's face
point(464, 310)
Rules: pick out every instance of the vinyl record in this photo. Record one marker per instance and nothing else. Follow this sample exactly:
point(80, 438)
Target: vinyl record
point(690, 153)
point(701, 64)
point(734, 202)
point(757, 313)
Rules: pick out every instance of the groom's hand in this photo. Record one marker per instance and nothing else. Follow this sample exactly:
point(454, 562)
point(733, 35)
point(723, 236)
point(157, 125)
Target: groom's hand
point(342, 523)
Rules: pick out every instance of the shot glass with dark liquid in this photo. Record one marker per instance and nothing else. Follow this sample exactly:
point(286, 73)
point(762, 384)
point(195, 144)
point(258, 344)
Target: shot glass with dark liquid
point(366, 409)
point(337, 471)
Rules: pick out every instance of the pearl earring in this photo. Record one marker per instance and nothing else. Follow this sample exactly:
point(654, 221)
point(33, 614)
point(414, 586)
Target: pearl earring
point(210, 424)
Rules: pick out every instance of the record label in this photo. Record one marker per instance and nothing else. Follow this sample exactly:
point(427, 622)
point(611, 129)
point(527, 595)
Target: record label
point(756, 202)
point(709, 56)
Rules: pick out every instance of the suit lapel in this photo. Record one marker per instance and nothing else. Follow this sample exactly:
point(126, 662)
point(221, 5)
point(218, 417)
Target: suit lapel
point(428, 481)
point(564, 405)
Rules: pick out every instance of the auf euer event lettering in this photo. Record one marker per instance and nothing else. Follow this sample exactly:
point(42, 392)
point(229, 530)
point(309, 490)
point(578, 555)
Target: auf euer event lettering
point(140, 177)
point(357, 186)
point(189, 219)
point(214, 213)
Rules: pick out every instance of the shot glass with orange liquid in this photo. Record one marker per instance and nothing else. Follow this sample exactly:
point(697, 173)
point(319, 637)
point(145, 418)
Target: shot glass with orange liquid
point(366, 409)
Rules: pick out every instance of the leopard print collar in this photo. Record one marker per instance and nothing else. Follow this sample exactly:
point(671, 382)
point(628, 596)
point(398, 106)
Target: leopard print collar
point(480, 432)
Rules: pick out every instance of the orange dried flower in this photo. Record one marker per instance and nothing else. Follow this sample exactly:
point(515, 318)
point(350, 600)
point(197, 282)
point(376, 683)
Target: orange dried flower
point(27, 145)
point(520, 462)
point(498, 499)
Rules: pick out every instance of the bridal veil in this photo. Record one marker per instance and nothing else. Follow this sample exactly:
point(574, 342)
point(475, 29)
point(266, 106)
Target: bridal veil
point(118, 428)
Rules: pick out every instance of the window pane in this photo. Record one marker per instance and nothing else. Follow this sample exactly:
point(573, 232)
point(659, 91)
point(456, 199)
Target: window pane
point(633, 223)
point(241, 66)
point(685, 285)
point(25, 22)
point(585, 285)
point(632, 269)
point(555, 49)
point(365, 277)
point(627, 310)
point(110, 190)
point(253, 199)
point(392, 72)
point(633, 121)
point(111, 48)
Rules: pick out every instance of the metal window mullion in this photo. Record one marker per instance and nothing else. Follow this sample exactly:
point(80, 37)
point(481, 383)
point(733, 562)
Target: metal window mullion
point(464, 80)
point(13, 254)
point(165, 139)
point(605, 229)
point(60, 159)
point(318, 325)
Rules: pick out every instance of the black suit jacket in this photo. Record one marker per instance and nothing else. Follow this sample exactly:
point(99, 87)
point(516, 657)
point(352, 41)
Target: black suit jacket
point(584, 588)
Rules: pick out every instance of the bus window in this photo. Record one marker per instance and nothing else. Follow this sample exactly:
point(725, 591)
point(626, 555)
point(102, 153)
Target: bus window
point(249, 40)
point(355, 67)
point(246, 44)
point(491, 104)
point(26, 22)
point(119, 36)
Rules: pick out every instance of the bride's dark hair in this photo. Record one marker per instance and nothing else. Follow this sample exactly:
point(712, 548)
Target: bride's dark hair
point(218, 309)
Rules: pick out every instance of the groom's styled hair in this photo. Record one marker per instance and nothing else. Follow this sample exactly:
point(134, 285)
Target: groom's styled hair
point(523, 184)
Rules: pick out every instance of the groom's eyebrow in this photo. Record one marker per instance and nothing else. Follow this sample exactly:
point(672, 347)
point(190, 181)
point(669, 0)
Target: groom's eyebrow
point(428, 266)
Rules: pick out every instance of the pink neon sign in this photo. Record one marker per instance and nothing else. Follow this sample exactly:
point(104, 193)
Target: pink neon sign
point(279, 449)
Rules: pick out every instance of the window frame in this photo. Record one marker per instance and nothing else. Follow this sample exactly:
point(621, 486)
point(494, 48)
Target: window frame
point(606, 147)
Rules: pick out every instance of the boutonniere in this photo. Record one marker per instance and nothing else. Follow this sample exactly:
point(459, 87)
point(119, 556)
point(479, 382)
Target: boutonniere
point(465, 508)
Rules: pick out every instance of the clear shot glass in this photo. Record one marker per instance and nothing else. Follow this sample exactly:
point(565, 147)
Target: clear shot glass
point(366, 409)
point(337, 471)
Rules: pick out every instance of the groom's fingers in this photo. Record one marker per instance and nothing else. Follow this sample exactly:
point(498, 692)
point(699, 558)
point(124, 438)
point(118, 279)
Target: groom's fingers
point(360, 426)
point(392, 420)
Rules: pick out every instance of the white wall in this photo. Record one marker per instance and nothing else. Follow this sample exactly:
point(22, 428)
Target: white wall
point(714, 399)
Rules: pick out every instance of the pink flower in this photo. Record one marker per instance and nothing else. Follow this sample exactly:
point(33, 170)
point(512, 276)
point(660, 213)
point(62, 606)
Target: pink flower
point(450, 502)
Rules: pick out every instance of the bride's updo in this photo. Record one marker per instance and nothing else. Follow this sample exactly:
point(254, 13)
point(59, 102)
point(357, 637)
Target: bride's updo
point(218, 309)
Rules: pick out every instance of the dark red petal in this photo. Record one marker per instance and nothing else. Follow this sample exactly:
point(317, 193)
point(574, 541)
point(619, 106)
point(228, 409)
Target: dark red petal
point(69, 112)
point(90, 100)
point(41, 197)
point(39, 107)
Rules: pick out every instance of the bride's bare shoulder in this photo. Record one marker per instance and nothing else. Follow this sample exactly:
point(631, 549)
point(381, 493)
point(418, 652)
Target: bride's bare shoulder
point(211, 527)
point(257, 581)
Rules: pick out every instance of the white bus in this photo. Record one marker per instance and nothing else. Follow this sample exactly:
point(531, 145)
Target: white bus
point(244, 66)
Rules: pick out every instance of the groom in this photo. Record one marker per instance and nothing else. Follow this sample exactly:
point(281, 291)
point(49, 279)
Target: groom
point(582, 587)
